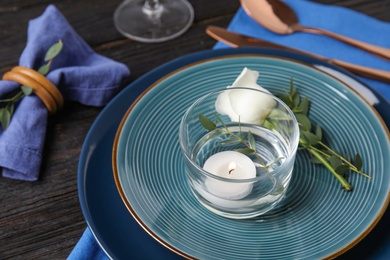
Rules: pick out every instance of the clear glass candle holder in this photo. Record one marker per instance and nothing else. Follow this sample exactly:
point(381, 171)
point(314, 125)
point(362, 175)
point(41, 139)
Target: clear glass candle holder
point(239, 147)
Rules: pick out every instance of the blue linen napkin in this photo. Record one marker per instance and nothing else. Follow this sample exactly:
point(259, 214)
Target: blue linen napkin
point(87, 248)
point(332, 18)
point(80, 74)
point(336, 19)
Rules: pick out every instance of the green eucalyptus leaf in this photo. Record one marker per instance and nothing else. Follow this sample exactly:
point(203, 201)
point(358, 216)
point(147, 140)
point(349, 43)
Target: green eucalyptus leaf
point(44, 69)
point(358, 162)
point(310, 137)
point(269, 124)
point(10, 107)
point(293, 90)
point(303, 140)
point(275, 161)
point(325, 151)
point(54, 51)
point(1, 113)
point(207, 123)
point(251, 140)
point(230, 141)
point(335, 162)
point(278, 114)
point(26, 90)
point(304, 106)
point(341, 169)
point(286, 100)
point(293, 95)
point(258, 165)
point(5, 118)
point(319, 132)
point(246, 151)
point(303, 121)
point(296, 99)
point(315, 160)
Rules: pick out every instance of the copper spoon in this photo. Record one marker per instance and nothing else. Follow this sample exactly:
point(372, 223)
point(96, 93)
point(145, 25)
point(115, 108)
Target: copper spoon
point(278, 17)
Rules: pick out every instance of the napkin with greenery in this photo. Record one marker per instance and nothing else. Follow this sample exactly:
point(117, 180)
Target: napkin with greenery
point(80, 74)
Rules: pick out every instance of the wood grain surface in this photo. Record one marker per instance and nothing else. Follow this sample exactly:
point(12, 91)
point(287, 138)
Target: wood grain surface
point(43, 219)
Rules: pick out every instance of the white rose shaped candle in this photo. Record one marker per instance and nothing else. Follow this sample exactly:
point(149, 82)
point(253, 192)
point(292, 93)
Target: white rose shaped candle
point(242, 106)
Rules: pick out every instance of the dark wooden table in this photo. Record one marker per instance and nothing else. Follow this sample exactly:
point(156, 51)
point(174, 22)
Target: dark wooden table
point(43, 219)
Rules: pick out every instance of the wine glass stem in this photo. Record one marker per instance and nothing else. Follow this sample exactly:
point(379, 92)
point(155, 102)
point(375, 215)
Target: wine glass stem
point(152, 7)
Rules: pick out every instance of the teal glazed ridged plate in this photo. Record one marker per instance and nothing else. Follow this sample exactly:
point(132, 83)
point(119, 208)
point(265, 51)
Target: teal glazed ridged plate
point(317, 219)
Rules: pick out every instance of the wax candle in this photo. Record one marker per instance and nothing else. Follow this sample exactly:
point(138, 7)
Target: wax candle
point(229, 165)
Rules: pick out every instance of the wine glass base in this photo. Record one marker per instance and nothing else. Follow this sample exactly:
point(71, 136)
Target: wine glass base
point(171, 19)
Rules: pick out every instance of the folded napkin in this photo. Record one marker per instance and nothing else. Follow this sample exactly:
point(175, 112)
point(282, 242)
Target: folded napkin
point(335, 19)
point(87, 248)
point(79, 73)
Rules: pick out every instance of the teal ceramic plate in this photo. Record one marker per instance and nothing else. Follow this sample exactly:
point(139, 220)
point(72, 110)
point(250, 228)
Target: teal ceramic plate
point(317, 219)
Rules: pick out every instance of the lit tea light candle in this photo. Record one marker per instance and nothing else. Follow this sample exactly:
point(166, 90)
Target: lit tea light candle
point(229, 165)
point(232, 167)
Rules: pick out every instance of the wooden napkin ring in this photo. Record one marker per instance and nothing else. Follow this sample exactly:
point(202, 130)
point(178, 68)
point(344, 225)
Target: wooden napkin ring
point(44, 82)
point(42, 87)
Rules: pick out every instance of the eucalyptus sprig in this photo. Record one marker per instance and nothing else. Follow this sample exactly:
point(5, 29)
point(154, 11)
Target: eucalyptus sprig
point(250, 144)
point(311, 140)
point(8, 104)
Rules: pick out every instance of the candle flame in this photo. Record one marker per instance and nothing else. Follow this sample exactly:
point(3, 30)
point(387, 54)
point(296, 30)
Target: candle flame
point(232, 167)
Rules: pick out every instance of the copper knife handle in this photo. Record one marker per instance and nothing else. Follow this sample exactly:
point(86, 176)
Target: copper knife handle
point(377, 50)
point(238, 40)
